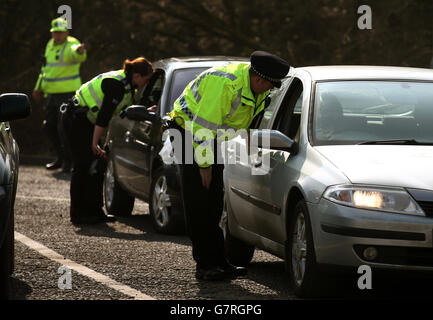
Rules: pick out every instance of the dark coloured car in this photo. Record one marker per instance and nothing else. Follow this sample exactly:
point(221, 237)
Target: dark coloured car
point(12, 106)
point(135, 169)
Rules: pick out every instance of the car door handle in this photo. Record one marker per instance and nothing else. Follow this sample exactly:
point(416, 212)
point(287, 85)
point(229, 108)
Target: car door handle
point(257, 162)
point(147, 127)
point(141, 143)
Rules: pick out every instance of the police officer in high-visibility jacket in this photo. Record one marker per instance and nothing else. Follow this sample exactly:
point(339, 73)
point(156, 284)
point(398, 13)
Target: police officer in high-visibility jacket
point(58, 80)
point(220, 98)
point(87, 115)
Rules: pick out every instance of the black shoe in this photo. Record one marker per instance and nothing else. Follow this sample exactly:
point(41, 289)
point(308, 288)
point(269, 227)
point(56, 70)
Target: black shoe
point(106, 218)
point(233, 272)
point(85, 220)
point(212, 274)
point(93, 219)
point(54, 165)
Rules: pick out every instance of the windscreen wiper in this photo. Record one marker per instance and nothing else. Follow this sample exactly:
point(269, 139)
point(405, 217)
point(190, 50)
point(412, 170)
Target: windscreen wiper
point(398, 141)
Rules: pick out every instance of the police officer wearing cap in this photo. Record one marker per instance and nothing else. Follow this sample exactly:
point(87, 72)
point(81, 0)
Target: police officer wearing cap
point(218, 100)
point(58, 80)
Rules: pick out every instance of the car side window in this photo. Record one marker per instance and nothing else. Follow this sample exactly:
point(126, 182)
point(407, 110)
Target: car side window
point(275, 97)
point(288, 118)
point(153, 91)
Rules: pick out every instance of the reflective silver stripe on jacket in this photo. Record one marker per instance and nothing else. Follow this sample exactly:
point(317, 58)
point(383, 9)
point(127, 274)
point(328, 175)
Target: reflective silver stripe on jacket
point(194, 89)
point(91, 117)
point(205, 123)
point(61, 79)
point(196, 84)
point(94, 95)
point(92, 89)
point(111, 74)
point(62, 53)
point(124, 102)
point(81, 97)
point(61, 64)
point(196, 119)
point(235, 104)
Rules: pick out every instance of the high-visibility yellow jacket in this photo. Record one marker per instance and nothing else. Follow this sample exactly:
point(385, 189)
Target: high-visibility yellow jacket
point(219, 100)
point(91, 95)
point(61, 72)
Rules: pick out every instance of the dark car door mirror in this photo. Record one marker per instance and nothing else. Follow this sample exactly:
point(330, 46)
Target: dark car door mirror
point(140, 113)
point(14, 106)
point(272, 139)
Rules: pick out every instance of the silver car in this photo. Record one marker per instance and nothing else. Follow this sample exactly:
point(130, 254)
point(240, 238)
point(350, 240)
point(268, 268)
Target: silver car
point(339, 173)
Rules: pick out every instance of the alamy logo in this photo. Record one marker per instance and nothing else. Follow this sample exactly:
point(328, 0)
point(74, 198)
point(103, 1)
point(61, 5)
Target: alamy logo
point(65, 280)
point(229, 151)
point(365, 280)
point(67, 14)
point(365, 20)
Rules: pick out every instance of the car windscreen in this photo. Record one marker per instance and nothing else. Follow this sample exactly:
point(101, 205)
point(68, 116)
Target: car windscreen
point(180, 80)
point(353, 112)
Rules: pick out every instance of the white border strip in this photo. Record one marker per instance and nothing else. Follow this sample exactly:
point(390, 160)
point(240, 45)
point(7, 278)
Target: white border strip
point(52, 255)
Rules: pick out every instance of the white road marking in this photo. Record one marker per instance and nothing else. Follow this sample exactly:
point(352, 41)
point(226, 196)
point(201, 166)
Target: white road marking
point(107, 281)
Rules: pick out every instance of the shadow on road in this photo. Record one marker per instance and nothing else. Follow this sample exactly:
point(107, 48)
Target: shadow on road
point(59, 175)
point(19, 289)
point(139, 222)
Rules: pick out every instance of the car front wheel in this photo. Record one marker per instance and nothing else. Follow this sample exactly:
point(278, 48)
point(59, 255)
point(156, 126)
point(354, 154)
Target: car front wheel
point(237, 252)
point(300, 255)
point(117, 201)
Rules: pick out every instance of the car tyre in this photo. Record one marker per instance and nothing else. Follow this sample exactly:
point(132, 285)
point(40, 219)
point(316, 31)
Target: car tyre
point(300, 254)
point(117, 201)
point(237, 252)
point(160, 205)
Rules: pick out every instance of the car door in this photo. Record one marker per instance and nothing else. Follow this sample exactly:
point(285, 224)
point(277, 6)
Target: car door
point(129, 144)
point(8, 148)
point(144, 137)
point(238, 170)
point(269, 170)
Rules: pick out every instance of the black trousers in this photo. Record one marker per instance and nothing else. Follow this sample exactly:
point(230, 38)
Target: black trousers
point(86, 190)
point(203, 209)
point(52, 126)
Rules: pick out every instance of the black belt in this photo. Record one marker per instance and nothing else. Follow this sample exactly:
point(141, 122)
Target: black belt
point(73, 106)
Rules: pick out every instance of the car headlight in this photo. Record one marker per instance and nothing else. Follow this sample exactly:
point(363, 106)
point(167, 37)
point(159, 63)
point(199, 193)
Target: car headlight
point(373, 198)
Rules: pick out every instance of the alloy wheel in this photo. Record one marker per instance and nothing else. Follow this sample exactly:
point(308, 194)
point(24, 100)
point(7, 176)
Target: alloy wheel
point(299, 249)
point(109, 185)
point(161, 202)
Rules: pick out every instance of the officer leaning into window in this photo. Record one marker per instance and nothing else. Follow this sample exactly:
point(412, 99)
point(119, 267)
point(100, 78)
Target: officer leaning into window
point(228, 97)
point(58, 80)
point(85, 118)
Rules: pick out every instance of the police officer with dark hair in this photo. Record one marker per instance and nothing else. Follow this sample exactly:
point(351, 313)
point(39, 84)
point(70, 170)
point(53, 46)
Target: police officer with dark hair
point(86, 118)
point(220, 98)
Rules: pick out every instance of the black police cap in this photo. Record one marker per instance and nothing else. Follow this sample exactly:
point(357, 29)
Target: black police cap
point(269, 67)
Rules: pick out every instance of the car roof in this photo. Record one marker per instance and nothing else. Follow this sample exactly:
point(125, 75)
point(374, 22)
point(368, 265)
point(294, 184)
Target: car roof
point(196, 61)
point(347, 72)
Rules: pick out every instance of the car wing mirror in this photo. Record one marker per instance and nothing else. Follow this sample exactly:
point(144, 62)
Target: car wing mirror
point(272, 139)
point(14, 106)
point(140, 113)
